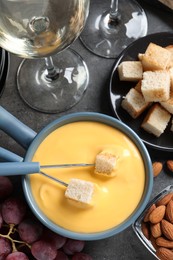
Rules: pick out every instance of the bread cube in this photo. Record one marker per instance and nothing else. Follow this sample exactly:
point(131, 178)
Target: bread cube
point(155, 85)
point(170, 48)
point(168, 104)
point(130, 71)
point(140, 55)
point(138, 86)
point(156, 120)
point(171, 78)
point(134, 103)
point(80, 191)
point(105, 163)
point(155, 58)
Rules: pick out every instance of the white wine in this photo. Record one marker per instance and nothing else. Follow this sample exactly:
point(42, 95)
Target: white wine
point(40, 28)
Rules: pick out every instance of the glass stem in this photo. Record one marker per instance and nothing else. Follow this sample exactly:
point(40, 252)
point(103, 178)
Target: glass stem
point(52, 72)
point(114, 12)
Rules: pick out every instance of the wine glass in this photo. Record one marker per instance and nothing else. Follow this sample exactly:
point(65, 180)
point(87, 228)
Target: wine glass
point(110, 29)
point(51, 78)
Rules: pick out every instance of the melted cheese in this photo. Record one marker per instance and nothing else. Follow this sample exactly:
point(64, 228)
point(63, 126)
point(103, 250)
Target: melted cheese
point(115, 198)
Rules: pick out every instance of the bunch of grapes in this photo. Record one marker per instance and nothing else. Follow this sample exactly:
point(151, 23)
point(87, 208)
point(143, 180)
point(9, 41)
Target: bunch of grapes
point(23, 237)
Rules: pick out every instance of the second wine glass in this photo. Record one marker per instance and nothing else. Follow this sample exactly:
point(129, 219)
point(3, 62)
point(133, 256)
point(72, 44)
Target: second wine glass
point(36, 29)
point(112, 25)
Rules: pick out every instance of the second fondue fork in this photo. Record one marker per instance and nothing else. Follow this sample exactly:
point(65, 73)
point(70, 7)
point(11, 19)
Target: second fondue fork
point(22, 168)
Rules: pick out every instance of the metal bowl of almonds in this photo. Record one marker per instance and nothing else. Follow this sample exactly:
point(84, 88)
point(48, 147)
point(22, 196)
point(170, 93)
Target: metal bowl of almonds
point(154, 227)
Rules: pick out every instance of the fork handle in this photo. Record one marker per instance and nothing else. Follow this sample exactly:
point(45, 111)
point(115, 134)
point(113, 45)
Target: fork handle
point(18, 168)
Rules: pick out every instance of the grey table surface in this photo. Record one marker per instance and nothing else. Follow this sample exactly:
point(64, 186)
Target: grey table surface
point(126, 244)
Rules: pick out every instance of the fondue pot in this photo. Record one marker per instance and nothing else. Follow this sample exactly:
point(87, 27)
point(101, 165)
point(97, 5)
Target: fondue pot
point(30, 141)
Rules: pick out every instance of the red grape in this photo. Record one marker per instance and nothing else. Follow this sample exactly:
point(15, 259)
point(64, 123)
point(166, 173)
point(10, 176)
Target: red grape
point(30, 230)
point(57, 240)
point(5, 248)
point(17, 256)
point(45, 244)
point(73, 246)
point(6, 187)
point(61, 256)
point(43, 250)
point(13, 210)
point(81, 256)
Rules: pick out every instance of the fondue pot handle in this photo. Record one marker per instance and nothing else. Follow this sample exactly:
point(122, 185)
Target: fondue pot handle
point(9, 156)
point(21, 133)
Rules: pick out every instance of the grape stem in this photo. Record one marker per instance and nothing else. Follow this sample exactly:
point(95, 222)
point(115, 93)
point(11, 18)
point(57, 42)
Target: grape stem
point(12, 230)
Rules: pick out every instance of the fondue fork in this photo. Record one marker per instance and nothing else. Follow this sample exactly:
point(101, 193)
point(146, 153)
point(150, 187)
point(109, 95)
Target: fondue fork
point(67, 165)
point(22, 168)
point(18, 167)
point(54, 179)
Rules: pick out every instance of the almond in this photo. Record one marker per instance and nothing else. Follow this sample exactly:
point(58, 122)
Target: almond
point(164, 200)
point(164, 253)
point(157, 168)
point(169, 164)
point(157, 214)
point(163, 242)
point(153, 242)
point(167, 229)
point(156, 230)
point(145, 229)
point(146, 218)
point(169, 211)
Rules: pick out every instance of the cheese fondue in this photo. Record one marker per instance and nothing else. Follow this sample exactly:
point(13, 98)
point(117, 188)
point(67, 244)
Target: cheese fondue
point(115, 198)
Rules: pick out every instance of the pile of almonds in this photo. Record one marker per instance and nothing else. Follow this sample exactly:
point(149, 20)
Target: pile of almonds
point(157, 226)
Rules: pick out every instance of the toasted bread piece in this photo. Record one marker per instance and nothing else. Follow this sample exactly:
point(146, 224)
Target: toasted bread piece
point(130, 71)
point(155, 85)
point(156, 120)
point(168, 104)
point(171, 78)
point(140, 55)
point(134, 103)
point(80, 191)
point(105, 163)
point(138, 86)
point(170, 48)
point(155, 58)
